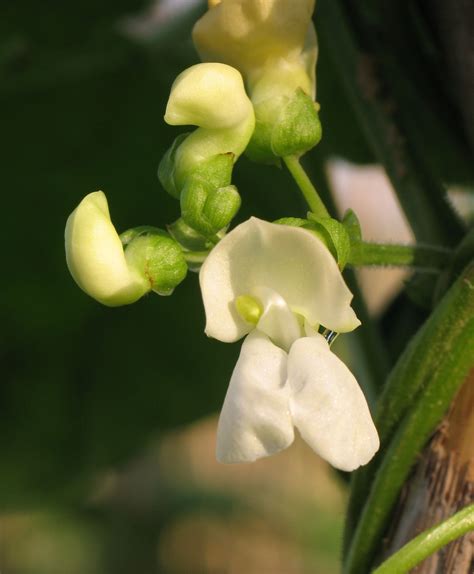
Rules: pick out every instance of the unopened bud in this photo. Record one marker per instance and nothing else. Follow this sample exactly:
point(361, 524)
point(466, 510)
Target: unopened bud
point(95, 256)
point(286, 126)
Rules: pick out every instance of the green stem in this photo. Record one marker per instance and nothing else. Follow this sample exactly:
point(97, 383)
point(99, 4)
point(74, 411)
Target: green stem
point(423, 257)
point(195, 256)
point(308, 190)
point(429, 542)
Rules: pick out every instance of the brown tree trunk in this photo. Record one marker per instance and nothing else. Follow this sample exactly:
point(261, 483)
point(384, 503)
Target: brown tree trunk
point(441, 484)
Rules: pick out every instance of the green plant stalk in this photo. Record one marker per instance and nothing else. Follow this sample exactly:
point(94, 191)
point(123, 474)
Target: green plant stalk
point(438, 337)
point(421, 257)
point(195, 256)
point(308, 190)
point(413, 432)
point(375, 353)
point(429, 542)
point(431, 219)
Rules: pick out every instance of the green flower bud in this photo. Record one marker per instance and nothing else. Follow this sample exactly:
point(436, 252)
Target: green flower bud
point(208, 209)
point(285, 126)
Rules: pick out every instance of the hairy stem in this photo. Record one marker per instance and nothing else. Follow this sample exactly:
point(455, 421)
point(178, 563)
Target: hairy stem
point(423, 257)
point(308, 190)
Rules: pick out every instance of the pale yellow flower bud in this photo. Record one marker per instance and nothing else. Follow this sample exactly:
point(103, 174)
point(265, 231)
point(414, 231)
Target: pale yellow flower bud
point(95, 255)
point(251, 34)
point(211, 96)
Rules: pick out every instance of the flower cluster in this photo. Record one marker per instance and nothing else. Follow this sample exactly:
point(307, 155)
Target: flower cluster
point(277, 284)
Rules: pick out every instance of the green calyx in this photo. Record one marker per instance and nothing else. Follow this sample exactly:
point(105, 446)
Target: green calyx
point(156, 256)
point(208, 200)
point(167, 167)
point(285, 126)
point(332, 233)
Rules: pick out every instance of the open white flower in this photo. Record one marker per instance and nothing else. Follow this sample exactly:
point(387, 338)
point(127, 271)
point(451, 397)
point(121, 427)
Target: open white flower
point(277, 284)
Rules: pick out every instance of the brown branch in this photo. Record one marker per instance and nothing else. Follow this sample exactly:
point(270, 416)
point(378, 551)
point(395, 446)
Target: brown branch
point(442, 483)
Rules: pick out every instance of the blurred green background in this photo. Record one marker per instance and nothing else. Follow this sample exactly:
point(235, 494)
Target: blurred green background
point(86, 391)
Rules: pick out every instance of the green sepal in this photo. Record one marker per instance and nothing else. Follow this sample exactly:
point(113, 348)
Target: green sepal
point(130, 234)
point(352, 226)
point(283, 127)
point(298, 129)
point(293, 222)
point(157, 256)
point(217, 170)
point(335, 236)
point(187, 237)
point(259, 148)
point(166, 168)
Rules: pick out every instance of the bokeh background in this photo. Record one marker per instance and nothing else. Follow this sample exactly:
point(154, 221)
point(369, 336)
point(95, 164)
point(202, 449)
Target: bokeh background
point(108, 416)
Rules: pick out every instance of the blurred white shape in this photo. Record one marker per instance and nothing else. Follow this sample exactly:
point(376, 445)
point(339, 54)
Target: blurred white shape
point(147, 24)
point(367, 191)
point(462, 199)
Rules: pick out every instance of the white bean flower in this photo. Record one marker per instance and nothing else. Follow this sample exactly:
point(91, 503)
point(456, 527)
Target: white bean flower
point(277, 284)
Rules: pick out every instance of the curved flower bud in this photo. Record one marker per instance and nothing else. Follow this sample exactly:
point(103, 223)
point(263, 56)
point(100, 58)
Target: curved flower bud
point(97, 261)
point(289, 260)
point(95, 255)
point(210, 96)
point(197, 169)
point(273, 43)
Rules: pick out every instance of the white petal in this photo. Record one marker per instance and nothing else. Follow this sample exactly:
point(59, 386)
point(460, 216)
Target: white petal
point(277, 321)
point(255, 420)
point(95, 256)
point(328, 406)
point(289, 260)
